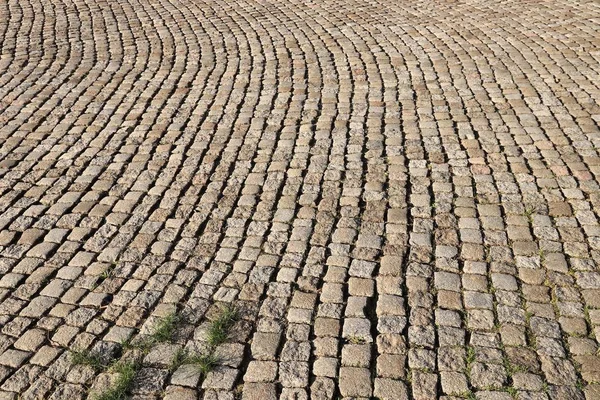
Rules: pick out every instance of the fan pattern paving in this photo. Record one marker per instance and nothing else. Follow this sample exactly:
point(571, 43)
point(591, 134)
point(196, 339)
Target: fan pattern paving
point(290, 199)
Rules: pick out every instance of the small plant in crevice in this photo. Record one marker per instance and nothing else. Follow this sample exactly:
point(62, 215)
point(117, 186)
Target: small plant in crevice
point(355, 340)
point(126, 344)
point(218, 330)
point(511, 368)
point(511, 391)
point(409, 377)
point(122, 386)
point(545, 387)
point(180, 358)
point(238, 391)
point(470, 395)
point(470, 359)
point(542, 255)
point(89, 358)
point(165, 329)
point(487, 249)
point(204, 363)
point(581, 384)
point(109, 272)
point(529, 211)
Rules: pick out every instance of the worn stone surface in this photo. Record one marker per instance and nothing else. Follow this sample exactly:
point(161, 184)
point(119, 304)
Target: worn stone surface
point(401, 198)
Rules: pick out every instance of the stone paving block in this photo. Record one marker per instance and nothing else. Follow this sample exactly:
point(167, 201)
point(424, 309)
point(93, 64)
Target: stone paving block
point(355, 382)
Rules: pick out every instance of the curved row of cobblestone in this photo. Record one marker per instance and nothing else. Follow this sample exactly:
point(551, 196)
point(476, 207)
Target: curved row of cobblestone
point(400, 199)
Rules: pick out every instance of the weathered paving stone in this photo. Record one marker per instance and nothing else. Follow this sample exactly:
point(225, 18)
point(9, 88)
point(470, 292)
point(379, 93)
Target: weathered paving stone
point(259, 391)
point(177, 392)
point(149, 381)
point(402, 200)
point(355, 382)
point(221, 378)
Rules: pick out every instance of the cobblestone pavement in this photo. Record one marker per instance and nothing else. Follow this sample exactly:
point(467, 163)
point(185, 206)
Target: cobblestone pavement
point(397, 199)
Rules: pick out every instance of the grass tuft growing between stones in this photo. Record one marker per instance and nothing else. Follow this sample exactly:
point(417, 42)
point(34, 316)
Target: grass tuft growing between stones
point(512, 369)
point(87, 357)
point(219, 328)
point(355, 340)
point(218, 332)
point(180, 358)
point(109, 272)
point(122, 386)
point(165, 329)
point(204, 363)
point(470, 359)
point(469, 396)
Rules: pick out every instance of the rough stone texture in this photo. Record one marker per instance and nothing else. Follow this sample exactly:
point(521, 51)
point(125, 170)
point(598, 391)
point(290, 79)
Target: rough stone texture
point(400, 197)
